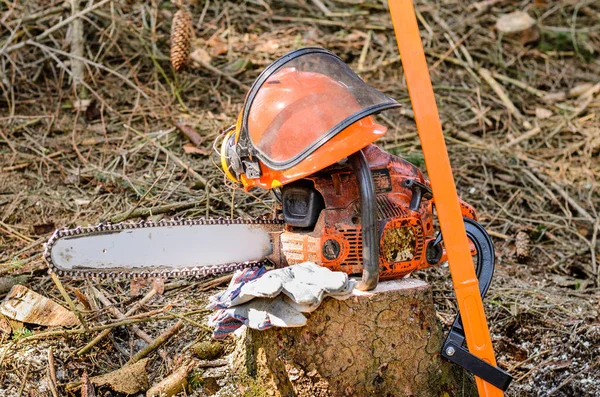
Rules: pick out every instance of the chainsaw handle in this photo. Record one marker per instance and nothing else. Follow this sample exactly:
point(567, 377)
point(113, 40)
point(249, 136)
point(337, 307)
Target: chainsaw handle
point(368, 220)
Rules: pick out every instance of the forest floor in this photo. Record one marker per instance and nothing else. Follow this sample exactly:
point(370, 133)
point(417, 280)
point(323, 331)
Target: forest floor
point(97, 136)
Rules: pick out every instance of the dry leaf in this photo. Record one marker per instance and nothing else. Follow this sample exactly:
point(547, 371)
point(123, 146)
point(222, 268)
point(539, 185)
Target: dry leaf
point(200, 55)
point(22, 304)
point(191, 148)
point(129, 379)
point(518, 25)
point(159, 285)
point(542, 113)
point(218, 46)
point(136, 285)
point(82, 299)
point(270, 47)
point(43, 228)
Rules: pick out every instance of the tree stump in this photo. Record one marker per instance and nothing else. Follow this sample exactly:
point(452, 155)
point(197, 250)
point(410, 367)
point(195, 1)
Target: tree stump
point(384, 342)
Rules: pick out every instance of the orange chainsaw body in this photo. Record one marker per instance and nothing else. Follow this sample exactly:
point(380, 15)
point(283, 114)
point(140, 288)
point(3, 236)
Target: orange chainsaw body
point(336, 239)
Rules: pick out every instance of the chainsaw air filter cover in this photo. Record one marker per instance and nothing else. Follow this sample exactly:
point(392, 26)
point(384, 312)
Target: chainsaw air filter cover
point(306, 111)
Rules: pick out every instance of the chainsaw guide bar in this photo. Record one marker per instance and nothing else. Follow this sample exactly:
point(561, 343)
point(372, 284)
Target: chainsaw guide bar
point(125, 270)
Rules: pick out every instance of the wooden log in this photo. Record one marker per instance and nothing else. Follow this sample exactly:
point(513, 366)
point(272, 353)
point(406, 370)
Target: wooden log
point(381, 343)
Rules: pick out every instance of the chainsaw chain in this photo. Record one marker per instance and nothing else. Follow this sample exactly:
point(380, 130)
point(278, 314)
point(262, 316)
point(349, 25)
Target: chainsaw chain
point(198, 271)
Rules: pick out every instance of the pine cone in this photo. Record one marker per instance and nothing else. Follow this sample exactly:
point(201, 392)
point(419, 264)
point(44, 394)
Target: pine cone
point(522, 247)
point(181, 34)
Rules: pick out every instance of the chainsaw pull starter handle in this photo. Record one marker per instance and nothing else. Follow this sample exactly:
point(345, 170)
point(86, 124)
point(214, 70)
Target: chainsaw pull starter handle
point(368, 220)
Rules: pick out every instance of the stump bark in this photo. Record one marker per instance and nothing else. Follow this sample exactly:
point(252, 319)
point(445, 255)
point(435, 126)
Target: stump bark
point(384, 342)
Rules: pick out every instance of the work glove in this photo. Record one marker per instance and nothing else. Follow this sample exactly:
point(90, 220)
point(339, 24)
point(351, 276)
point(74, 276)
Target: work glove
point(254, 297)
point(306, 284)
point(258, 314)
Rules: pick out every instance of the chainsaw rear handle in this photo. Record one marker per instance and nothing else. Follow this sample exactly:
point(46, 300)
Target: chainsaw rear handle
point(368, 220)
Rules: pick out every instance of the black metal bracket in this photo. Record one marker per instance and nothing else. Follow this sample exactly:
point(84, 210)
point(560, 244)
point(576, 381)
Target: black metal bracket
point(453, 348)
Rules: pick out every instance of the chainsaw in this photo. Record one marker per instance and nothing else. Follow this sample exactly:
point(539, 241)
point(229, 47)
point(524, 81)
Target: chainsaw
point(306, 132)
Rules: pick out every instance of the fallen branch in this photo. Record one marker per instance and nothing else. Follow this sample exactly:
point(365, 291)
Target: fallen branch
point(117, 313)
point(52, 382)
point(162, 338)
point(172, 384)
point(106, 331)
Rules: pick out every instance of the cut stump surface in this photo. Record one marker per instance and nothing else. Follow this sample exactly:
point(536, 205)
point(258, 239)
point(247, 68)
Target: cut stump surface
point(384, 342)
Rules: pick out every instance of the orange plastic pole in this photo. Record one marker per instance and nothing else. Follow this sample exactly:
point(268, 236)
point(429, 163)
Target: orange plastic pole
point(465, 281)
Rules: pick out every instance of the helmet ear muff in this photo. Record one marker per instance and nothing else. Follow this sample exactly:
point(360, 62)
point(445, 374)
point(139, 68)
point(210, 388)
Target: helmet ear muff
point(230, 160)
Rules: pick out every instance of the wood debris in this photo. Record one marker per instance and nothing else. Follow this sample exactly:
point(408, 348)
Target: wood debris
point(172, 384)
point(129, 379)
point(27, 306)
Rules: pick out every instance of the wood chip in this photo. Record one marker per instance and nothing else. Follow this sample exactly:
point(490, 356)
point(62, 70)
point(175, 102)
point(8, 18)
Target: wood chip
point(172, 384)
point(22, 304)
point(129, 379)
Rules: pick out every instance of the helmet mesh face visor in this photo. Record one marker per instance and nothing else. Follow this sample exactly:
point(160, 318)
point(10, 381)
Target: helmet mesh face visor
point(304, 99)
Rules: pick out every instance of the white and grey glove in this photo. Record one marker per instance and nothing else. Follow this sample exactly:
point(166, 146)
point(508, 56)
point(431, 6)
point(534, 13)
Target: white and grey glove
point(305, 284)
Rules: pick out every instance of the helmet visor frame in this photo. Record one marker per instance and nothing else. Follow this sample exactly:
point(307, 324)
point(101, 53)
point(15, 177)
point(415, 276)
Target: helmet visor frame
point(332, 97)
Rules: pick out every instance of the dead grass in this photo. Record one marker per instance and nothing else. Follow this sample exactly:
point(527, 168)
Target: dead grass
point(92, 137)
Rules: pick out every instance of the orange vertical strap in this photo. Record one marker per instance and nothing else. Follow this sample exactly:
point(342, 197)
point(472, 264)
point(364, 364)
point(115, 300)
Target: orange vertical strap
point(465, 281)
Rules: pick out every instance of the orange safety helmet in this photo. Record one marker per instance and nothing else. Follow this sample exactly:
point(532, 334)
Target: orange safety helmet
point(305, 112)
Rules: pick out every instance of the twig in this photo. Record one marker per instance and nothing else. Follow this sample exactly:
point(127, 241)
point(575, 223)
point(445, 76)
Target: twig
point(499, 90)
point(526, 136)
point(54, 28)
point(213, 69)
point(192, 135)
point(172, 157)
point(582, 211)
point(364, 51)
point(593, 251)
point(162, 338)
point(24, 379)
point(67, 298)
point(105, 332)
point(174, 383)
point(328, 22)
point(77, 38)
point(117, 313)
point(42, 14)
point(52, 382)
point(520, 84)
point(142, 212)
point(27, 164)
point(214, 283)
point(322, 7)
point(80, 331)
point(11, 232)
